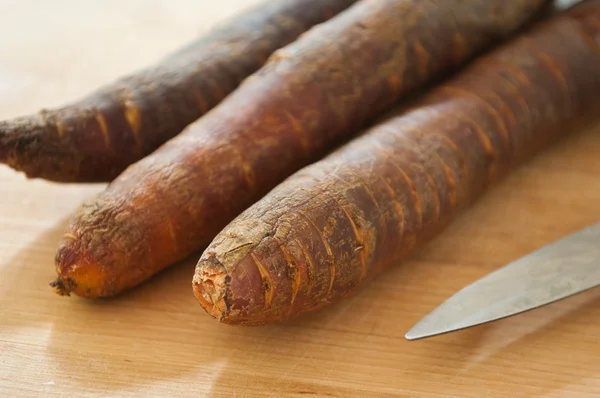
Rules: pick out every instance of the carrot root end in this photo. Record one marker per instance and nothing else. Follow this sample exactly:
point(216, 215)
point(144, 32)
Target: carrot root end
point(63, 287)
point(211, 284)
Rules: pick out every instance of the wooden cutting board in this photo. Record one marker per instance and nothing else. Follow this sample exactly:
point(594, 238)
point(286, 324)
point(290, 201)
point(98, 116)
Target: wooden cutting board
point(157, 341)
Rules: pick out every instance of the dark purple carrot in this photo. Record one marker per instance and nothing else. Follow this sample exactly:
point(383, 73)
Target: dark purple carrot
point(310, 96)
point(96, 137)
point(331, 227)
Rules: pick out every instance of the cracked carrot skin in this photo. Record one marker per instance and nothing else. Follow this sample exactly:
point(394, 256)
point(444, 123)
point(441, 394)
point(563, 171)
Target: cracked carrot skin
point(96, 137)
point(309, 97)
point(334, 225)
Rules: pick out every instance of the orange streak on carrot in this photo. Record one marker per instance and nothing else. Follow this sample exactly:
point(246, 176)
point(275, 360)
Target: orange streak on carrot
point(296, 275)
point(360, 240)
point(485, 142)
point(503, 129)
point(395, 82)
point(311, 266)
point(511, 118)
point(430, 180)
point(298, 129)
point(247, 171)
point(103, 128)
point(423, 58)
point(514, 71)
point(411, 185)
point(450, 180)
point(558, 74)
point(517, 95)
point(172, 231)
point(327, 250)
point(396, 202)
point(60, 128)
point(456, 150)
point(267, 281)
point(134, 119)
point(202, 104)
point(460, 43)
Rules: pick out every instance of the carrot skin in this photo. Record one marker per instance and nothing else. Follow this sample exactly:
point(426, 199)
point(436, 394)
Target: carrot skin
point(309, 97)
point(96, 137)
point(328, 229)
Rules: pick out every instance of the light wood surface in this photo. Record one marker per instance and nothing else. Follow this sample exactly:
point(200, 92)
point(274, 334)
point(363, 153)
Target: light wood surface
point(157, 341)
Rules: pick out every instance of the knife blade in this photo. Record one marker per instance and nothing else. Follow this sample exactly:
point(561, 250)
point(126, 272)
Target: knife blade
point(556, 271)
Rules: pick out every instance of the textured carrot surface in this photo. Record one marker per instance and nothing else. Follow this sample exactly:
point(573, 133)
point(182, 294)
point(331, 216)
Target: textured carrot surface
point(96, 137)
point(334, 225)
point(309, 97)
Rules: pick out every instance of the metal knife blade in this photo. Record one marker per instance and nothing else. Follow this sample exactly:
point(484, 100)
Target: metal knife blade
point(561, 269)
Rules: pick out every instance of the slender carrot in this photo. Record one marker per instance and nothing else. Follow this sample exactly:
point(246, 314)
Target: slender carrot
point(96, 137)
point(334, 225)
point(309, 96)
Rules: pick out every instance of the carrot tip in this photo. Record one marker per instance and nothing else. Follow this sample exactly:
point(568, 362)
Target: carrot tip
point(5, 145)
point(22, 143)
point(63, 287)
point(211, 285)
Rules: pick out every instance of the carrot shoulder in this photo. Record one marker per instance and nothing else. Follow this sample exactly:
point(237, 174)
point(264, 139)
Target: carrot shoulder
point(328, 229)
point(310, 96)
point(96, 137)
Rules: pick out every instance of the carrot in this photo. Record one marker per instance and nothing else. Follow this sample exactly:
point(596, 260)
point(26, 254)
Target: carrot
point(96, 137)
point(308, 97)
point(328, 229)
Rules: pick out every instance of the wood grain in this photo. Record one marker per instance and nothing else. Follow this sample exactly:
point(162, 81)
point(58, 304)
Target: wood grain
point(157, 341)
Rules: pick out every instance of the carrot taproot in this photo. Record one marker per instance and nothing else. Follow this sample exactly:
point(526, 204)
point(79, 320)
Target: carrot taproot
point(334, 225)
point(94, 138)
point(307, 98)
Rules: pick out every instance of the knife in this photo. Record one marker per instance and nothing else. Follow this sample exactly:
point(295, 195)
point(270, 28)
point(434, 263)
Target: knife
point(561, 269)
